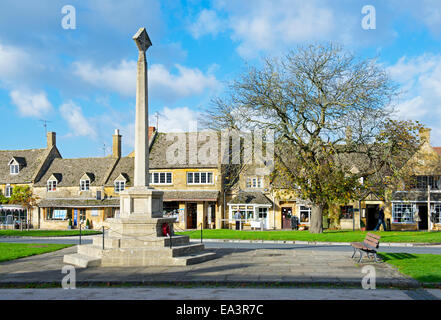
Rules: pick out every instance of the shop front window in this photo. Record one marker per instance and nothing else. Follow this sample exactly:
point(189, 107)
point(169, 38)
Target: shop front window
point(305, 214)
point(58, 214)
point(171, 209)
point(403, 212)
point(436, 213)
point(346, 212)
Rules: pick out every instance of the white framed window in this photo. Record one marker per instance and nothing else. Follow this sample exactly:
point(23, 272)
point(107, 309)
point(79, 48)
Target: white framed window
point(255, 182)
point(120, 186)
point(52, 185)
point(305, 214)
point(94, 213)
point(403, 212)
point(199, 177)
point(263, 213)
point(160, 178)
point(14, 168)
point(8, 191)
point(84, 185)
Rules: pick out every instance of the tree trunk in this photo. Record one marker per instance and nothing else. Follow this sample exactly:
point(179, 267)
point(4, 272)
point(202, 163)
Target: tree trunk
point(316, 223)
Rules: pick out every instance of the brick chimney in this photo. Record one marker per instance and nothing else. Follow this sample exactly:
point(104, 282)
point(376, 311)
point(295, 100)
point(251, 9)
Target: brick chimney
point(116, 150)
point(51, 139)
point(151, 132)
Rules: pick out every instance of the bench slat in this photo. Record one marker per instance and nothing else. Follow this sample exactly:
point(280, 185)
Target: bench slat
point(372, 240)
point(374, 236)
point(372, 244)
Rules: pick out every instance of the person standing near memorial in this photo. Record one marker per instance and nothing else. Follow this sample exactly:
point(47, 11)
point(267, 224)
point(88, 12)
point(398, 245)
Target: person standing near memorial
point(237, 217)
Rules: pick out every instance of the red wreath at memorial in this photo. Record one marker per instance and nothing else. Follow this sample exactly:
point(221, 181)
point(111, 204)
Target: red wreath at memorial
point(165, 229)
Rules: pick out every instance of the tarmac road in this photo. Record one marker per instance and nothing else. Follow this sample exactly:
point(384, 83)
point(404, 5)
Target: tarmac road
point(243, 245)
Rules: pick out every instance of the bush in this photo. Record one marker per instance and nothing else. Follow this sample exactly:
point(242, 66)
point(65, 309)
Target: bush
point(87, 224)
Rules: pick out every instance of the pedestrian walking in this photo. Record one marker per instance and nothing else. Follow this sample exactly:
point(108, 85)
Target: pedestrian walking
point(381, 219)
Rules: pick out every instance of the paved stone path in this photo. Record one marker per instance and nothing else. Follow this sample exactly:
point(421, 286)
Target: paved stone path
point(287, 266)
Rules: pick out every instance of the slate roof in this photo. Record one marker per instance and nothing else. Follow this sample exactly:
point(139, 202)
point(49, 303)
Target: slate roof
point(30, 162)
point(158, 159)
point(250, 198)
point(70, 171)
point(125, 166)
point(177, 195)
point(78, 203)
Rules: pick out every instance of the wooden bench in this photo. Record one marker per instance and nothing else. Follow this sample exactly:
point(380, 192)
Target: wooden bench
point(369, 245)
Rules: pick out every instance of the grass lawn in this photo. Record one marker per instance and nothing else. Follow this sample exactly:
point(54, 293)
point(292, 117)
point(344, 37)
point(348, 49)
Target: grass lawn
point(327, 235)
point(11, 251)
point(45, 233)
point(425, 268)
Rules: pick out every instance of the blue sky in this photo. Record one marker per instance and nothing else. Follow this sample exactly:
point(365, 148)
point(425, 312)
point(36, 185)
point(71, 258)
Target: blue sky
point(82, 80)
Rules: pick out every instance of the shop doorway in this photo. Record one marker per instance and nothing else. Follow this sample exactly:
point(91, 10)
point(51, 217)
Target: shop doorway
point(192, 212)
point(372, 216)
point(286, 218)
point(423, 224)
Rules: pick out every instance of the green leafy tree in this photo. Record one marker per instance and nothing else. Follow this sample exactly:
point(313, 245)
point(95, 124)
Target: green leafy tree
point(3, 199)
point(22, 195)
point(333, 121)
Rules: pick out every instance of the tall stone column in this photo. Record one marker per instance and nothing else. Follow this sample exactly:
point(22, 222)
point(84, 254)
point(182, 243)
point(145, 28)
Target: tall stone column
point(143, 42)
point(140, 201)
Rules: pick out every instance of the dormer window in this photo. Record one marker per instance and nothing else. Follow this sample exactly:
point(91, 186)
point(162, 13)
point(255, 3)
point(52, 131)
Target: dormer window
point(14, 165)
point(14, 168)
point(53, 181)
point(119, 186)
point(120, 182)
point(52, 185)
point(84, 185)
point(85, 181)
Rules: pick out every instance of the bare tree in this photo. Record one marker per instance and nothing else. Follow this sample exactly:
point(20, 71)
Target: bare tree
point(331, 114)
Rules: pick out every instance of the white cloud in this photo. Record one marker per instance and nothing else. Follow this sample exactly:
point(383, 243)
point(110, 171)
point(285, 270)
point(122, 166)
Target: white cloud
point(11, 60)
point(78, 124)
point(162, 83)
point(17, 66)
point(186, 83)
point(120, 78)
point(412, 108)
point(268, 25)
point(207, 23)
point(31, 104)
point(176, 120)
point(420, 78)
